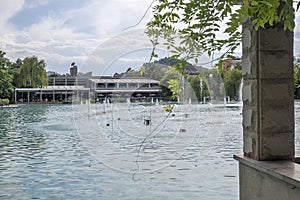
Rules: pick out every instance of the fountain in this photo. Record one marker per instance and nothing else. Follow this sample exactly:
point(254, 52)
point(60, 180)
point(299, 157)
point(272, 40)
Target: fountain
point(201, 91)
point(104, 105)
point(241, 92)
point(156, 102)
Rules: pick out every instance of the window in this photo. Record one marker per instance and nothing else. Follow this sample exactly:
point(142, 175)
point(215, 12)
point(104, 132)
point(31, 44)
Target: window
point(100, 85)
point(111, 85)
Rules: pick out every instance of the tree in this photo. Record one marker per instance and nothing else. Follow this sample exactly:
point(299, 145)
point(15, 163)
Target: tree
point(200, 87)
point(130, 73)
point(6, 87)
point(296, 76)
point(166, 85)
point(297, 73)
point(153, 70)
point(196, 23)
point(215, 83)
point(232, 82)
point(32, 73)
point(4, 62)
point(15, 70)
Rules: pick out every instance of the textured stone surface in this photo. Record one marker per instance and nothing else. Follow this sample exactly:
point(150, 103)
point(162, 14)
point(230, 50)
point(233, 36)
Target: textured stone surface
point(276, 64)
point(268, 116)
point(250, 146)
point(268, 112)
point(247, 118)
point(276, 120)
point(275, 39)
point(277, 92)
point(268, 180)
point(276, 146)
point(250, 119)
point(247, 94)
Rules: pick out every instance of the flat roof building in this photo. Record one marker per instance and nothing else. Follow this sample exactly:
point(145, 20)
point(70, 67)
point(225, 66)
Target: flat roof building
point(64, 87)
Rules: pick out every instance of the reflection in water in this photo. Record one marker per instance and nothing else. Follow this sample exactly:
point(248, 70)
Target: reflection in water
point(43, 157)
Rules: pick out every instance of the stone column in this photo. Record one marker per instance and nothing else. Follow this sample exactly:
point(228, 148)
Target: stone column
point(268, 103)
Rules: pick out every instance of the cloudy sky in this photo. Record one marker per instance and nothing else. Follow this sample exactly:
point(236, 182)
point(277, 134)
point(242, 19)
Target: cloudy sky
point(66, 31)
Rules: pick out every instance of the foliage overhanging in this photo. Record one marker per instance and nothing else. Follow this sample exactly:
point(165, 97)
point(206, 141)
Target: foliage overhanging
point(197, 23)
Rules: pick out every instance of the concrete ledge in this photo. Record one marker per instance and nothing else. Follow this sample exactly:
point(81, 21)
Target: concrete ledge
point(297, 157)
point(286, 171)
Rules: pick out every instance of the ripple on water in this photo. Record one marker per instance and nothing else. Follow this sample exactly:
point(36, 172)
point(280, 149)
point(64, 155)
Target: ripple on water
point(42, 156)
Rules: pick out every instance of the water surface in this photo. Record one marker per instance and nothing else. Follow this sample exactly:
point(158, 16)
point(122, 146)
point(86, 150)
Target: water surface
point(43, 156)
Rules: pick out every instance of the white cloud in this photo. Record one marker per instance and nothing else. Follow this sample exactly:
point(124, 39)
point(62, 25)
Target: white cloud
point(133, 60)
point(297, 34)
point(108, 17)
point(69, 35)
point(35, 3)
point(8, 9)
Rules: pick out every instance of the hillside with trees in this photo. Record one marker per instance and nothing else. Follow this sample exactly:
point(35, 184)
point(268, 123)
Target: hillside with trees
point(215, 83)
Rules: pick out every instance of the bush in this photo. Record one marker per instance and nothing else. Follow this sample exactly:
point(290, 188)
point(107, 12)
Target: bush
point(93, 101)
point(5, 101)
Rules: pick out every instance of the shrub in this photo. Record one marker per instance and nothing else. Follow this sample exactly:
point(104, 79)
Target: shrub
point(5, 101)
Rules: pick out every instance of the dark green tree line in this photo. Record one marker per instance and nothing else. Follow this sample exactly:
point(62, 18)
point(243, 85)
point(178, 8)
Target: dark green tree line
point(6, 78)
point(29, 72)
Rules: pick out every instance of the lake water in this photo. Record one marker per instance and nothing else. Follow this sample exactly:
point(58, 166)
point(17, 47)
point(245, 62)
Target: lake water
point(108, 152)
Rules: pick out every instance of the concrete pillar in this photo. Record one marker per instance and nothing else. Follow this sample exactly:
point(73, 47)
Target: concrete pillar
point(28, 97)
point(268, 104)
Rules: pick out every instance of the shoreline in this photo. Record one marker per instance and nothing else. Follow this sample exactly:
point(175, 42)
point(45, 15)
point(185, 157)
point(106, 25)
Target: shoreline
point(10, 106)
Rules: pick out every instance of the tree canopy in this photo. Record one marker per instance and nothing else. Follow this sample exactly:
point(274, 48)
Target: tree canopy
point(6, 78)
point(190, 28)
point(197, 23)
point(32, 73)
point(29, 72)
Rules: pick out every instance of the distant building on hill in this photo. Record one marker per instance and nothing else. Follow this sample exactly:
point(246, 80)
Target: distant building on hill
point(231, 63)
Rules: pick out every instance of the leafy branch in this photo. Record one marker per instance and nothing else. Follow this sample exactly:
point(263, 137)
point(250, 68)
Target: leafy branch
point(191, 28)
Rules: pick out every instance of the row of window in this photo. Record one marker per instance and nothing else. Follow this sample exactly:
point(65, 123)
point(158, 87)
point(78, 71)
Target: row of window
point(127, 85)
point(66, 81)
point(74, 81)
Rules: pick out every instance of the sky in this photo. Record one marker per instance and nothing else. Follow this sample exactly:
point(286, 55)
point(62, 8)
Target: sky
point(94, 34)
point(65, 31)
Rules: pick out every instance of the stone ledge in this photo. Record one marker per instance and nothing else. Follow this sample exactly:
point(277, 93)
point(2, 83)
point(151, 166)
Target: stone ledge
point(297, 157)
point(283, 170)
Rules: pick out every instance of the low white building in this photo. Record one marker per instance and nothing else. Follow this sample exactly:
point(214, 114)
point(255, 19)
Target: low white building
point(63, 88)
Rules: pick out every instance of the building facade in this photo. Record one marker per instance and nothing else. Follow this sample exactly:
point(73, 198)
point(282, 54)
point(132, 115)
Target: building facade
point(62, 88)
